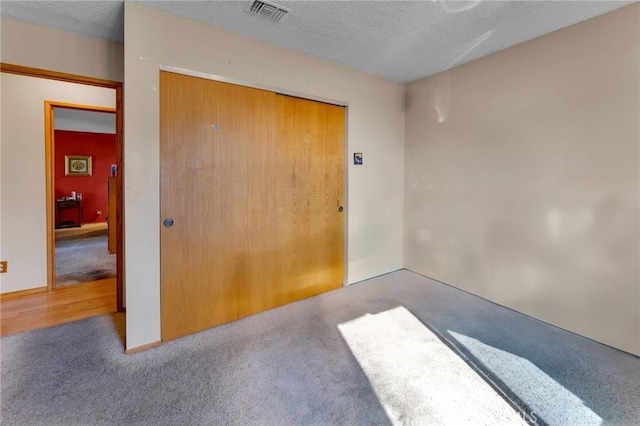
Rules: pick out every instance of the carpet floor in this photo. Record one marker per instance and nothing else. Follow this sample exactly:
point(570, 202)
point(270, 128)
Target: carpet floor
point(368, 354)
point(82, 259)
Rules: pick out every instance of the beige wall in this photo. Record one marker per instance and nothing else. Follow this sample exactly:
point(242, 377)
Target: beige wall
point(375, 127)
point(22, 172)
point(46, 48)
point(522, 178)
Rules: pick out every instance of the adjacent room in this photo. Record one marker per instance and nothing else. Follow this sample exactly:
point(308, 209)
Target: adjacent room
point(83, 251)
point(365, 212)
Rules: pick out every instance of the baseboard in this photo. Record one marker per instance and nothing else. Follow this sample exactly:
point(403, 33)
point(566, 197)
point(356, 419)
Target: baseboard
point(20, 293)
point(142, 348)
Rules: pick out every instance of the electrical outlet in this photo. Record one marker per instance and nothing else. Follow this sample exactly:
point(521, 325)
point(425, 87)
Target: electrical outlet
point(3, 267)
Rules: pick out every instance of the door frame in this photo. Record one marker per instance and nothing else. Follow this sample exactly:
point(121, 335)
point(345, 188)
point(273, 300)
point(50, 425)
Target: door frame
point(50, 201)
point(222, 79)
point(49, 138)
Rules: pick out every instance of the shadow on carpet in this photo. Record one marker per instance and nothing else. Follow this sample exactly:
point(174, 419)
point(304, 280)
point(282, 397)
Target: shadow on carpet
point(83, 259)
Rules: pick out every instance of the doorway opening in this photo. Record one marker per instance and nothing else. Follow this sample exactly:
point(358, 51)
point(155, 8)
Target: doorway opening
point(84, 165)
point(69, 303)
point(49, 119)
point(56, 204)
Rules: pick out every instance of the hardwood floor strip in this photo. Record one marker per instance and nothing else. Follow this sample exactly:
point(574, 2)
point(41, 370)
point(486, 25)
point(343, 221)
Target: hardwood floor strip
point(33, 311)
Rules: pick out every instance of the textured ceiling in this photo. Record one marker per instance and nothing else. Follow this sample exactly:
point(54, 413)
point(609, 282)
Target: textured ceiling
point(102, 19)
point(398, 40)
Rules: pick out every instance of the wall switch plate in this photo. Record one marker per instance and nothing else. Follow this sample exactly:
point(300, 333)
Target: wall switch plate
point(3, 267)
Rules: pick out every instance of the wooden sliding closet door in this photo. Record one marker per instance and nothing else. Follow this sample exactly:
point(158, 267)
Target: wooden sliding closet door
point(247, 215)
point(310, 196)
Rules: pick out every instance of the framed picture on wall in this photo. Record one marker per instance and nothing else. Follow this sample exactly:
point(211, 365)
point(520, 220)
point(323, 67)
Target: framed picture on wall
point(77, 165)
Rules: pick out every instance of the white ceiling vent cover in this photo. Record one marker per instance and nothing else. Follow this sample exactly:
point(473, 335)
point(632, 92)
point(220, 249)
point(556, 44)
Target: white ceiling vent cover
point(269, 10)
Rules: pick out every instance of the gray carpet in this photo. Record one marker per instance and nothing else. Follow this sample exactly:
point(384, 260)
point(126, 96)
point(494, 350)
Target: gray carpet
point(292, 366)
point(83, 259)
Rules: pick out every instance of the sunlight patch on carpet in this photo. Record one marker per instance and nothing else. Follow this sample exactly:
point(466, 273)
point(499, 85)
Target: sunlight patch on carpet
point(417, 378)
point(547, 399)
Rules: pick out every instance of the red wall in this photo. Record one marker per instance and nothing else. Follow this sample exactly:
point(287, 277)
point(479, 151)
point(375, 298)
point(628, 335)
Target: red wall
point(102, 147)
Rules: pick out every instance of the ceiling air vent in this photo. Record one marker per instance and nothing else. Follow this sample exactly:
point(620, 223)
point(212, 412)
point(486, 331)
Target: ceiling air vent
point(269, 10)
